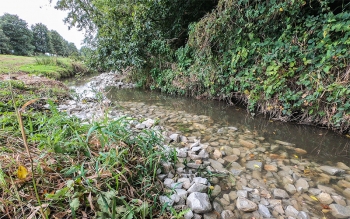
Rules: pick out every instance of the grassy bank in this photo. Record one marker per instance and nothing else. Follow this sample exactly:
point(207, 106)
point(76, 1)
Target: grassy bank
point(52, 67)
point(72, 170)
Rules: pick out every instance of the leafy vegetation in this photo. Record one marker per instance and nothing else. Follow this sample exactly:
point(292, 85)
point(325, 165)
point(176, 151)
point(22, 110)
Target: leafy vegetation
point(16, 38)
point(287, 59)
point(101, 170)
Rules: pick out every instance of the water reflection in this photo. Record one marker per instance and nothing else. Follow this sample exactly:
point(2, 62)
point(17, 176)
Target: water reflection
point(323, 145)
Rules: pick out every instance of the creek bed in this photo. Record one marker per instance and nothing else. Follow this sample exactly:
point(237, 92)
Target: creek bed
point(261, 168)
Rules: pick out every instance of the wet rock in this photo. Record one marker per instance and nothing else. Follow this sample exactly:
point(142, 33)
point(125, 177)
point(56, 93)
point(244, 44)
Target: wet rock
point(346, 193)
point(280, 193)
point(339, 200)
point(325, 198)
point(242, 193)
point(216, 191)
point(247, 144)
point(199, 202)
point(210, 216)
point(236, 151)
point(301, 185)
point(343, 166)
point(274, 148)
point(284, 143)
point(287, 179)
point(217, 165)
point(245, 205)
point(340, 211)
point(291, 211)
point(325, 189)
point(264, 211)
point(231, 158)
point(254, 165)
point(217, 207)
point(236, 169)
point(217, 154)
point(314, 191)
point(303, 215)
point(271, 168)
point(227, 214)
point(331, 170)
point(343, 183)
point(300, 151)
point(197, 187)
point(233, 195)
point(290, 189)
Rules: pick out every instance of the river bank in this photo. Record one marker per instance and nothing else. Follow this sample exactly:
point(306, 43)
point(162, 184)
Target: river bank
point(215, 171)
point(242, 172)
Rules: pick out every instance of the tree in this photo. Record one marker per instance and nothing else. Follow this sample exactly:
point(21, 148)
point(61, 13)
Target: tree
point(41, 39)
point(72, 49)
point(58, 43)
point(16, 30)
point(131, 32)
point(4, 43)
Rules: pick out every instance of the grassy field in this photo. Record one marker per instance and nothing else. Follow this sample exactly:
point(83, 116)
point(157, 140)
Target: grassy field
point(51, 67)
point(10, 63)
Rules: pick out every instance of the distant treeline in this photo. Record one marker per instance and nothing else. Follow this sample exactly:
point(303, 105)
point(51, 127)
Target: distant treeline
point(16, 38)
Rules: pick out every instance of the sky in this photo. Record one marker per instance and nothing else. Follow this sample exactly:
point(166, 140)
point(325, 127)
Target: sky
point(41, 11)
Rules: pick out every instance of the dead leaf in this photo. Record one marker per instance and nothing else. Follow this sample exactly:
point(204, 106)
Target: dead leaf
point(90, 202)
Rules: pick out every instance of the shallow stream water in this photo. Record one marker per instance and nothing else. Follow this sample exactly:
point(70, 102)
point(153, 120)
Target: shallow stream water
point(219, 126)
point(322, 145)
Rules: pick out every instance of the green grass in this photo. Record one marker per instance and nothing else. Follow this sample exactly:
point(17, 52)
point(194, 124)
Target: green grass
point(51, 67)
point(10, 63)
point(98, 169)
point(104, 169)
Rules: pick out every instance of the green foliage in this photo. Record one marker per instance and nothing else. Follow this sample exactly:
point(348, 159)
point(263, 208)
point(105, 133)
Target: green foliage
point(4, 42)
point(16, 30)
point(58, 43)
point(41, 39)
point(286, 59)
point(127, 30)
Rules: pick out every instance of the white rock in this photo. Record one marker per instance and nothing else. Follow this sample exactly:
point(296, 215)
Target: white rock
point(245, 205)
point(227, 214)
point(199, 202)
point(197, 187)
point(200, 180)
point(164, 199)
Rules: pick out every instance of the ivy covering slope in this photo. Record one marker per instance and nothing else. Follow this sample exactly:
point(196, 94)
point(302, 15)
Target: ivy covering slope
point(287, 59)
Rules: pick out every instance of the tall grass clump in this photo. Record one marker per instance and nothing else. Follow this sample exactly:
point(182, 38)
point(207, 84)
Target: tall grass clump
point(99, 170)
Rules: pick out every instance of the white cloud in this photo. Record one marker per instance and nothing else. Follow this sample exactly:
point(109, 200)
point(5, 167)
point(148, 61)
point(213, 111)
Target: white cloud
point(41, 11)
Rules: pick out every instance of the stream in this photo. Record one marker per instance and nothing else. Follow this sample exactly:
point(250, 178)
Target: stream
point(263, 156)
